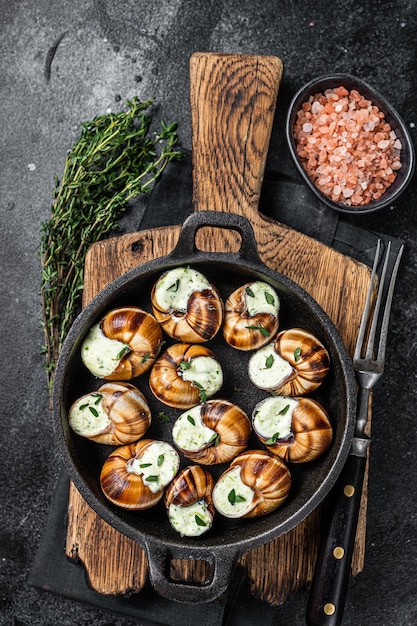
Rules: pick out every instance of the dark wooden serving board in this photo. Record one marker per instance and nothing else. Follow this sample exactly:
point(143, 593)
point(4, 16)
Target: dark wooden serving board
point(233, 104)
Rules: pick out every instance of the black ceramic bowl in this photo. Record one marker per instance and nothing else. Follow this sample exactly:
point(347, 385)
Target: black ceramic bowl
point(404, 175)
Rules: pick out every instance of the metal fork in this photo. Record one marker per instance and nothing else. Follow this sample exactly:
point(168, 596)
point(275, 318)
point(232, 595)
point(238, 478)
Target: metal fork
point(328, 589)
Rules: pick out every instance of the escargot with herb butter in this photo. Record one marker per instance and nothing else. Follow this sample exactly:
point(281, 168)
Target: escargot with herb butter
point(295, 364)
point(185, 374)
point(298, 430)
point(256, 483)
point(188, 307)
point(213, 432)
point(135, 476)
point(251, 316)
point(123, 345)
point(117, 413)
point(189, 501)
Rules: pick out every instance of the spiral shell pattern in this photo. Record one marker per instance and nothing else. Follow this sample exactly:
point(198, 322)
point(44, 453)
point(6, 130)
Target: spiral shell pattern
point(199, 321)
point(311, 433)
point(192, 484)
point(166, 378)
point(126, 408)
point(126, 488)
point(232, 428)
point(308, 357)
point(240, 329)
point(267, 475)
point(141, 332)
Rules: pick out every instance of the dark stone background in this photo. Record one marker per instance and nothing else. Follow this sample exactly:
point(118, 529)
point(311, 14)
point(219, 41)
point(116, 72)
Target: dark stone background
point(109, 52)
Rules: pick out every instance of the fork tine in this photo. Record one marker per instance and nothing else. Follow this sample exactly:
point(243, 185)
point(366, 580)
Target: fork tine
point(367, 308)
point(387, 311)
point(371, 339)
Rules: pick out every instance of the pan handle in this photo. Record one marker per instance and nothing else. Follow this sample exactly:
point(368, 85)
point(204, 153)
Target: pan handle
point(221, 565)
point(186, 245)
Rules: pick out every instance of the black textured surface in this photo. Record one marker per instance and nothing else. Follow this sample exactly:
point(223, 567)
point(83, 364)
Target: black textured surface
point(63, 63)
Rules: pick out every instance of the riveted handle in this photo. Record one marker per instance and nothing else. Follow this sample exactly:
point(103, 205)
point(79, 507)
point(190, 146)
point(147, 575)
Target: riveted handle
point(328, 590)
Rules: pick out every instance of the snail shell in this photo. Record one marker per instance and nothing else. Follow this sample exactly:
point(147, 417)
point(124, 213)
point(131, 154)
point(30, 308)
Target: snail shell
point(134, 476)
point(185, 374)
point(213, 432)
point(188, 307)
point(130, 337)
point(116, 414)
point(297, 430)
point(251, 316)
point(294, 365)
point(189, 501)
point(256, 483)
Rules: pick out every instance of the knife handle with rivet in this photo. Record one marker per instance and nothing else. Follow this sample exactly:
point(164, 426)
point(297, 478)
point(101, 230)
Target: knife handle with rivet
point(333, 567)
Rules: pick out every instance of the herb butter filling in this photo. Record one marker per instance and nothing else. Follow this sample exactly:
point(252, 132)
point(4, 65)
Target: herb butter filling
point(261, 298)
point(204, 372)
point(158, 465)
point(272, 418)
point(100, 354)
point(267, 369)
point(190, 433)
point(87, 416)
point(192, 520)
point(231, 496)
point(175, 287)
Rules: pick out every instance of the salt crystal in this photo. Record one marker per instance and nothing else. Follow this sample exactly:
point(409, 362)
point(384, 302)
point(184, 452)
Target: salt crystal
point(398, 145)
point(337, 190)
point(316, 107)
point(383, 144)
point(347, 193)
point(396, 165)
point(307, 127)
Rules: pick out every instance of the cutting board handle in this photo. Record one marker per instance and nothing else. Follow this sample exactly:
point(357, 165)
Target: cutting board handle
point(233, 99)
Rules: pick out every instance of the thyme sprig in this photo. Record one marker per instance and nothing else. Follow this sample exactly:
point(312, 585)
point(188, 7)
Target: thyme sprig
point(116, 158)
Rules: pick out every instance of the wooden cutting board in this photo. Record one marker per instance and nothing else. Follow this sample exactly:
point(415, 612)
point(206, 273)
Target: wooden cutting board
point(233, 101)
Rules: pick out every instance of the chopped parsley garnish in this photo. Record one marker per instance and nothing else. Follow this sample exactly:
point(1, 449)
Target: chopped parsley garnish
point(185, 365)
point(191, 419)
point(174, 286)
point(272, 439)
point(122, 352)
point(261, 329)
point(234, 497)
point(269, 361)
point(249, 292)
point(297, 354)
point(93, 411)
point(199, 521)
point(161, 459)
point(269, 298)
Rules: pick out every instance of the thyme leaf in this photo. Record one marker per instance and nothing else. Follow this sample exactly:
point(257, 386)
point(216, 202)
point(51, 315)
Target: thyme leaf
point(116, 158)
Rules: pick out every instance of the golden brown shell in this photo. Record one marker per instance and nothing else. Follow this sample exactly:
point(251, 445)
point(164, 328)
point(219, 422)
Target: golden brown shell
point(232, 428)
point(267, 475)
point(198, 323)
point(240, 330)
point(311, 433)
point(126, 408)
point(192, 484)
point(166, 381)
point(125, 488)
point(141, 332)
point(308, 357)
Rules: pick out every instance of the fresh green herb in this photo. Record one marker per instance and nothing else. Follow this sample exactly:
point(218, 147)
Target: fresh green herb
point(249, 292)
point(98, 397)
point(84, 406)
point(261, 329)
point(164, 416)
point(123, 351)
point(161, 459)
point(145, 464)
point(215, 438)
point(202, 391)
point(93, 411)
point(174, 286)
point(272, 439)
point(146, 357)
point(297, 354)
point(116, 158)
point(269, 361)
point(184, 365)
point(233, 497)
point(269, 297)
point(152, 479)
point(284, 410)
point(191, 420)
point(199, 521)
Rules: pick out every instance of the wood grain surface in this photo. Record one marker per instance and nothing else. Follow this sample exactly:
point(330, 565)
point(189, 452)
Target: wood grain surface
point(233, 103)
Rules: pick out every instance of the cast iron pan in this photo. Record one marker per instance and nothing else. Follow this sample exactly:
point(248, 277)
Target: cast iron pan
point(228, 539)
